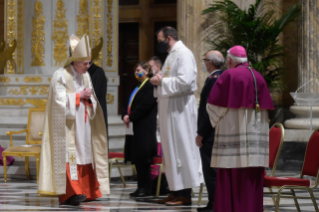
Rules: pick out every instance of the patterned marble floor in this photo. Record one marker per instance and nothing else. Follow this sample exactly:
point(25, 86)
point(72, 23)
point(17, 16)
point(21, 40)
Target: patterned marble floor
point(20, 195)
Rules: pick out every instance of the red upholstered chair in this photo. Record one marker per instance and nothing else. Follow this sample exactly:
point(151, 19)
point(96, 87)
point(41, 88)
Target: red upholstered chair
point(310, 168)
point(115, 158)
point(276, 140)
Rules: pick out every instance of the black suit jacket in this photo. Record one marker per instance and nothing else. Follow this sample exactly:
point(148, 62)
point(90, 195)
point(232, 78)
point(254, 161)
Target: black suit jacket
point(204, 127)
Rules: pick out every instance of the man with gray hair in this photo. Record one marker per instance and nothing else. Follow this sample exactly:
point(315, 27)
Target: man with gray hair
point(212, 65)
point(238, 108)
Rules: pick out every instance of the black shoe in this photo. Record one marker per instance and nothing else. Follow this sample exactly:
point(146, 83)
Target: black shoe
point(143, 193)
point(135, 192)
point(76, 199)
point(205, 209)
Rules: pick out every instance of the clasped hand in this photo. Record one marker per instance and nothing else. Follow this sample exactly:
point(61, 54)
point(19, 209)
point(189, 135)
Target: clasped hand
point(86, 93)
point(156, 80)
point(126, 120)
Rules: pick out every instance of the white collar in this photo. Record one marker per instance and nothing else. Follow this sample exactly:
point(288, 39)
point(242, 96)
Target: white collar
point(177, 45)
point(75, 73)
point(213, 72)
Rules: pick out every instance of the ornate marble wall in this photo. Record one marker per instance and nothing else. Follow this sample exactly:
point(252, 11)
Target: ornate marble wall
point(42, 29)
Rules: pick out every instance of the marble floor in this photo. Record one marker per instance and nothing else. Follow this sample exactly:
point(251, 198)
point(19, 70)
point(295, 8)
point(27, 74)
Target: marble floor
point(21, 195)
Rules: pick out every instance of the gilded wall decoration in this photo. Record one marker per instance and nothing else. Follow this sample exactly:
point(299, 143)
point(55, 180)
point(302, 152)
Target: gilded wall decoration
point(38, 35)
point(83, 19)
point(39, 103)
point(96, 26)
point(109, 98)
point(109, 30)
point(33, 90)
point(4, 79)
point(20, 38)
point(32, 79)
point(11, 31)
point(60, 35)
point(6, 54)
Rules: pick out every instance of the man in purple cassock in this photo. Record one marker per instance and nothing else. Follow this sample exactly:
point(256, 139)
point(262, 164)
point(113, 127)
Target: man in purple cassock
point(238, 108)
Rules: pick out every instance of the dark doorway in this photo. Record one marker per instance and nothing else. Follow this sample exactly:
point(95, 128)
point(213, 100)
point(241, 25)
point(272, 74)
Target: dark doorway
point(128, 58)
point(158, 26)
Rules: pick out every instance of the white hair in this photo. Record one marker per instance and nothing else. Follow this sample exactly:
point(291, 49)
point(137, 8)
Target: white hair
point(217, 61)
point(237, 60)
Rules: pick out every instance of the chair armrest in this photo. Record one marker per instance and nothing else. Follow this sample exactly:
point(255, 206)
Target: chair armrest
point(10, 133)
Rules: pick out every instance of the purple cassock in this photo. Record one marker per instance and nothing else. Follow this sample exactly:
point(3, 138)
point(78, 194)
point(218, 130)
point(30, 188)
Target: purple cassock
point(235, 89)
point(240, 189)
point(10, 159)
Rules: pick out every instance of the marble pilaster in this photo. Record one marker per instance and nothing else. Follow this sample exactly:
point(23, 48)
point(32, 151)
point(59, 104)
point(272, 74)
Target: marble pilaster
point(308, 68)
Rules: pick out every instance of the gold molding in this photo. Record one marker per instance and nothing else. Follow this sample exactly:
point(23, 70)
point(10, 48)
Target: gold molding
point(32, 79)
point(4, 79)
point(38, 35)
point(10, 30)
point(109, 98)
point(39, 103)
point(60, 35)
point(96, 26)
point(33, 90)
point(83, 19)
point(109, 31)
point(20, 38)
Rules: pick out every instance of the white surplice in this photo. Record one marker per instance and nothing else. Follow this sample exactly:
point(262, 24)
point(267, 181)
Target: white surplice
point(177, 119)
point(241, 137)
point(82, 128)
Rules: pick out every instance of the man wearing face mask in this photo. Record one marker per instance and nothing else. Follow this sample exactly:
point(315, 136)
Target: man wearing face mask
point(212, 64)
point(156, 64)
point(177, 118)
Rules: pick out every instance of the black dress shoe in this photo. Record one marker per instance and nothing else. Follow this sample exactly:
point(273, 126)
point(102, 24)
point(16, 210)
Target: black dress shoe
point(143, 193)
point(76, 199)
point(135, 192)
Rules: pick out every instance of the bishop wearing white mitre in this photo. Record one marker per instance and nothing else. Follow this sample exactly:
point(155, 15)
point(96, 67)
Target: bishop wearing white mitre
point(74, 151)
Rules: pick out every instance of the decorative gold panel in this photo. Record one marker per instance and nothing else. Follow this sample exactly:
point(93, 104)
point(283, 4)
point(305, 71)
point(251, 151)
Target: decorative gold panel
point(83, 19)
point(4, 79)
point(40, 103)
point(109, 30)
point(60, 35)
point(109, 98)
point(20, 38)
point(32, 79)
point(11, 31)
point(33, 90)
point(96, 26)
point(38, 35)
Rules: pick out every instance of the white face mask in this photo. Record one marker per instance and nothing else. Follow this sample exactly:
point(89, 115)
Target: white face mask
point(204, 68)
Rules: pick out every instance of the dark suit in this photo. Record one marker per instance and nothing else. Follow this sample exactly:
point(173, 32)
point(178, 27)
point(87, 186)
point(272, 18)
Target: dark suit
point(142, 146)
point(205, 129)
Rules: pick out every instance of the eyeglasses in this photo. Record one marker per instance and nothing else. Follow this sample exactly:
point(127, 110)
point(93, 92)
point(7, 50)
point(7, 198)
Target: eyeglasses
point(87, 63)
point(206, 60)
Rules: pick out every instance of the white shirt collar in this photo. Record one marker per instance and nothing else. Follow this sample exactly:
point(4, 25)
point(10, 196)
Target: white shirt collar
point(75, 73)
point(213, 72)
point(177, 45)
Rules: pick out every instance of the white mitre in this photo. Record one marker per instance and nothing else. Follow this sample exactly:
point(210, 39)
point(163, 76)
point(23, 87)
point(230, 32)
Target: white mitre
point(80, 49)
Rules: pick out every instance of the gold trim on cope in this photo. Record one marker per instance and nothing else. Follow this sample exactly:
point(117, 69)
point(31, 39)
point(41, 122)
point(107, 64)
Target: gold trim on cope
point(109, 98)
point(60, 35)
point(20, 38)
point(32, 79)
point(83, 19)
point(38, 35)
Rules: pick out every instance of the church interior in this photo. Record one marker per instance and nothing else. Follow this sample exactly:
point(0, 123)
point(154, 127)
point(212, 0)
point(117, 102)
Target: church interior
point(33, 47)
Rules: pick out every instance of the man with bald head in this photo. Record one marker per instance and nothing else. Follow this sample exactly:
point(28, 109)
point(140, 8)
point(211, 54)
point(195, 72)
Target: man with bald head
point(212, 65)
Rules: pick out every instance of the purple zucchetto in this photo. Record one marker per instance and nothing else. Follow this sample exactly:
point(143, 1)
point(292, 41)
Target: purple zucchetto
point(238, 51)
